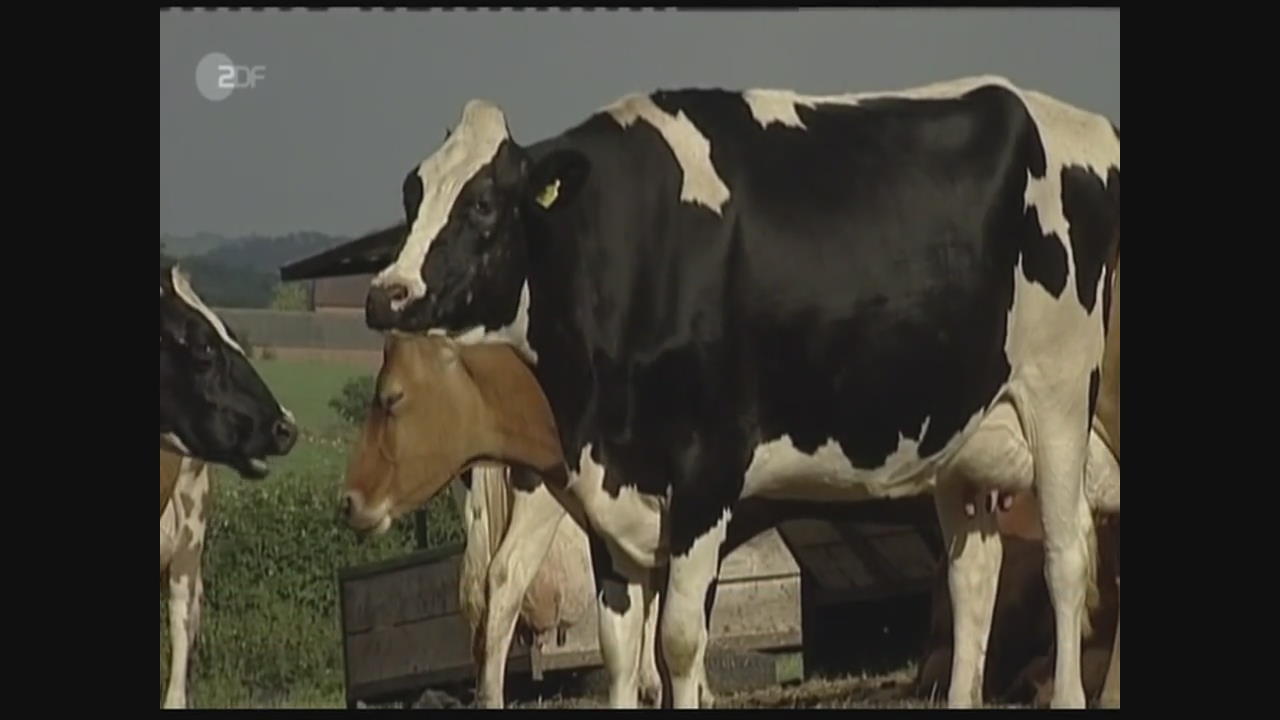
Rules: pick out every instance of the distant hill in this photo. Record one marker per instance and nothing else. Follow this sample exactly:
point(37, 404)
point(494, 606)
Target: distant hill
point(267, 254)
point(180, 247)
point(241, 272)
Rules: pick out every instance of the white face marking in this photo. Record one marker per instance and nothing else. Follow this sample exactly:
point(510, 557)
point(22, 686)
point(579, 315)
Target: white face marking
point(471, 146)
point(183, 288)
point(702, 184)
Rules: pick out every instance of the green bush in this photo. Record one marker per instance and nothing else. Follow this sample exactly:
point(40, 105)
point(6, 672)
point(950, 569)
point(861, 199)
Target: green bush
point(271, 628)
point(352, 403)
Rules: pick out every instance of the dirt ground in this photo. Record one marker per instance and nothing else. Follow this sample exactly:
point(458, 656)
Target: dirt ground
point(881, 691)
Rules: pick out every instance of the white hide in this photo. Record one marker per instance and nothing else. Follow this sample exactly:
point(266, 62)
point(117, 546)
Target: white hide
point(182, 531)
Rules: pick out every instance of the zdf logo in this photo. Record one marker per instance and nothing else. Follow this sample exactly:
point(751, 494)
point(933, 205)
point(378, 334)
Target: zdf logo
point(217, 76)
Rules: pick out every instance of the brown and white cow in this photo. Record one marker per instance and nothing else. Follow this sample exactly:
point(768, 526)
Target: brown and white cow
point(182, 530)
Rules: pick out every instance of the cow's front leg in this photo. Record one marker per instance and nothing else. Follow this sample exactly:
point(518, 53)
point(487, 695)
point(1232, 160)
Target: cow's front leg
point(650, 678)
point(621, 594)
point(535, 516)
point(695, 560)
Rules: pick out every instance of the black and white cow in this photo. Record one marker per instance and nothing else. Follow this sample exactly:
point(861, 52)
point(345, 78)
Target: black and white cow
point(213, 404)
point(761, 294)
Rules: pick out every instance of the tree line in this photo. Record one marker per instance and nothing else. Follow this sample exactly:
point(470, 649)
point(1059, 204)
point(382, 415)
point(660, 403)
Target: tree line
point(245, 272)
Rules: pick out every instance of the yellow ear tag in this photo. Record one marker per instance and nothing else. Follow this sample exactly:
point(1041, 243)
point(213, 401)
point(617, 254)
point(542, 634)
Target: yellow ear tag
point(549, 194)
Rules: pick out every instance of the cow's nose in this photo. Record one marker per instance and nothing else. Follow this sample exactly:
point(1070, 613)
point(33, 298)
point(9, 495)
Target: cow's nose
point(285, 434)
point(378, 311)
point(345, 506)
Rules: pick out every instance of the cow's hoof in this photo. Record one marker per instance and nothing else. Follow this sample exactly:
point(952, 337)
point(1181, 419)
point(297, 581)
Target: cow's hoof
point(706, 699)
point(1068, 702)
point(651, 695)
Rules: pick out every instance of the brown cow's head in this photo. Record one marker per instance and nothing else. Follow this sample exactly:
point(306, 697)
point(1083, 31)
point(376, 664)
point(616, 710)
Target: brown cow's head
point(439, 408)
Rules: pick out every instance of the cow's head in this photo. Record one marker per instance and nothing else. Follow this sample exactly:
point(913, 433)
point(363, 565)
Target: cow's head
point(438, 409)
point(213, 404)
point(462, 270)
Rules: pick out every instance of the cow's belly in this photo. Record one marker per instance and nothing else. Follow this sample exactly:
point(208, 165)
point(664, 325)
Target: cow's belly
point(780, 470)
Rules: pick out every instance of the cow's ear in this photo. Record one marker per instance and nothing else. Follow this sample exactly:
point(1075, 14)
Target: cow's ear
point(556, 179)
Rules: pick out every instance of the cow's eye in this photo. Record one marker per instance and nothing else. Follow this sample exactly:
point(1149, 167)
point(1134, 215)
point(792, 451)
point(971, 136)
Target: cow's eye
point(482, 207)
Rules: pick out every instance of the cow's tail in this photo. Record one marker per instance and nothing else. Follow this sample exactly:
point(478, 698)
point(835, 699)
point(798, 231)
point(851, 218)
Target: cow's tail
point(1115, 198)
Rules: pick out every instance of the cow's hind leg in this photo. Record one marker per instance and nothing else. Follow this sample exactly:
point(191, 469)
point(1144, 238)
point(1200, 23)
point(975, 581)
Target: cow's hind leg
point(535, 516)
point(1110, 696)
point(973, 572)
point(1055, 421)
point(995, 456)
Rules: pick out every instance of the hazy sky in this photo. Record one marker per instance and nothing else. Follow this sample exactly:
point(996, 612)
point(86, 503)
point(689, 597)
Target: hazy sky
point(352, 100)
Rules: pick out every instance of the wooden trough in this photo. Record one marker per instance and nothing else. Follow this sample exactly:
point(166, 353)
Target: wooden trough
point(403, 631)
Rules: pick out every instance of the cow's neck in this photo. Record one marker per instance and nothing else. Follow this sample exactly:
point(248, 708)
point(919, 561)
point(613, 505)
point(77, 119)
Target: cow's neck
point(557, 313)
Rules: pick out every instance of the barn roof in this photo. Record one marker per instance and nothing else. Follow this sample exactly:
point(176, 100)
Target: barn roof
point(368, 254)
